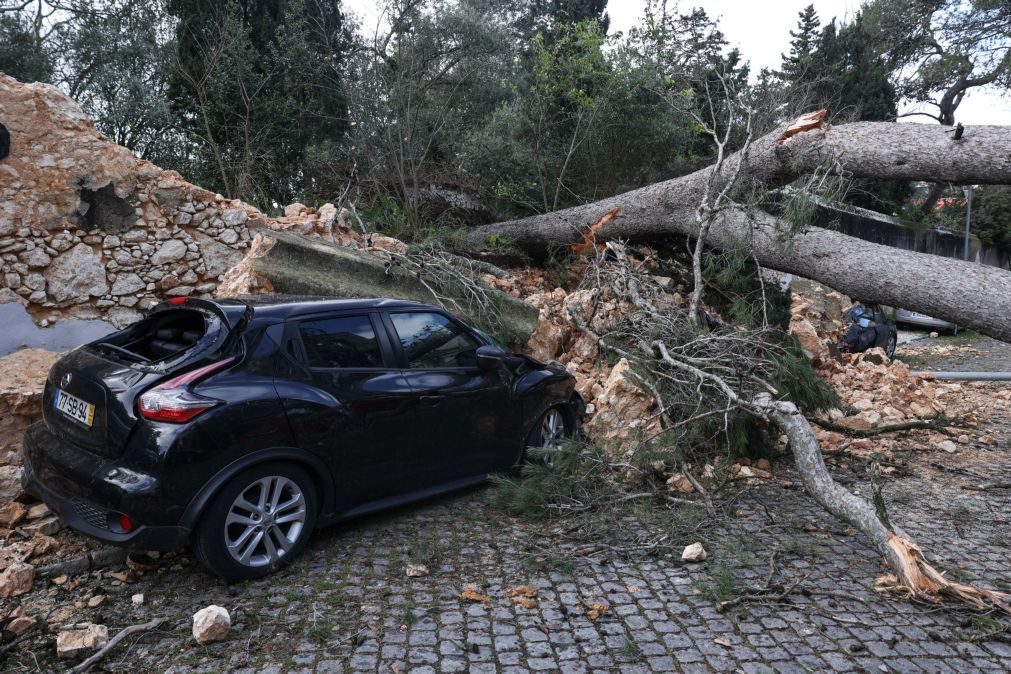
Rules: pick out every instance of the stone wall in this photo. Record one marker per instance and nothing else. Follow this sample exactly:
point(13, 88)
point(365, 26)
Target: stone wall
point(87, 230)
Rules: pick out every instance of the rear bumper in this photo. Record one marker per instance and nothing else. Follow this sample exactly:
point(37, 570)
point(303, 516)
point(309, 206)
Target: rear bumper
point(83, 490)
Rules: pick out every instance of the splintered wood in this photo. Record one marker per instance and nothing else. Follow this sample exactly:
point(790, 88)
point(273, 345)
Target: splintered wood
point(589, 242)
point(812, 120)
point(920, 581)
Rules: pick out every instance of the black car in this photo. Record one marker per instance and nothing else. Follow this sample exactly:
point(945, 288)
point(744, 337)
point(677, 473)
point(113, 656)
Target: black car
point(869, 326)
point(242, 425)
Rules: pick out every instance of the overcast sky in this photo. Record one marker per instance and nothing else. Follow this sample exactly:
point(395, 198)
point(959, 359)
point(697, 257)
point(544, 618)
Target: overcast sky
point(761, 30)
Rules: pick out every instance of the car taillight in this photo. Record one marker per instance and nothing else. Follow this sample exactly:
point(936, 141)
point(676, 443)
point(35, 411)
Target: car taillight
point(173, 402)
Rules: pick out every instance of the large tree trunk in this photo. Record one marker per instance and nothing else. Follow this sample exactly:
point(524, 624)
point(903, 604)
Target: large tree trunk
point(288, 264)
point(972, 295)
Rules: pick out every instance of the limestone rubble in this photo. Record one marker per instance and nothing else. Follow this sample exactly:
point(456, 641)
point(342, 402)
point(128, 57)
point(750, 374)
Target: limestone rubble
point(210, 624)
point(22, 378)
point(81, 639)
point(88, 230)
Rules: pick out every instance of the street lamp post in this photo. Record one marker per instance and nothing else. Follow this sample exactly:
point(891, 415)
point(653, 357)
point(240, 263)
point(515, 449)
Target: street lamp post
point(968, 216)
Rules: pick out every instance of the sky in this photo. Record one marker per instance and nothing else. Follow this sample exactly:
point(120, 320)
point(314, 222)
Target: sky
point(761, 30)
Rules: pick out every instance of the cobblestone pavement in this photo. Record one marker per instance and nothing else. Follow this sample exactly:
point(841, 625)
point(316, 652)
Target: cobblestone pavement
point(348, 605)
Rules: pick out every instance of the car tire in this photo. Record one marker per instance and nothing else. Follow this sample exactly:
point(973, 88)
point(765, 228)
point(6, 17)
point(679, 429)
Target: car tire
point(550, 432)
point(890, 345)
point(238, 537)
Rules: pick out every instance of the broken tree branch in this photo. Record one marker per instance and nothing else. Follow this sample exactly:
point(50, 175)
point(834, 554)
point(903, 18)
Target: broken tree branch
point(935, 424)
point(113, 642)
point(731, 369)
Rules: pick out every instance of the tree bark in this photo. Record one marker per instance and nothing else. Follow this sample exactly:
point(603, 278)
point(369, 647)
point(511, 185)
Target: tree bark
point(972, 295)
point(912, 573)
point(288, 264)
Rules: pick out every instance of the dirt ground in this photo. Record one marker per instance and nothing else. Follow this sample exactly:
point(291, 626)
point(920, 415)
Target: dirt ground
point(348, 605)
point(968, 352)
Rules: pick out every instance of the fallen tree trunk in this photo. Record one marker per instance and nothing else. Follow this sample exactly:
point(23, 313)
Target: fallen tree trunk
point(971, 295)
point(294, 265)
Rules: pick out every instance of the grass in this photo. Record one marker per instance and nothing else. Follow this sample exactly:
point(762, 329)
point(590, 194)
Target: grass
point(322, 630)
point(741, 548)
point(630, 649)
point(960, 574)
point(409, 616)
point(964, 338)
point(424, 551)
point(722, 586)
point(795, 546)
point(988, 626)
point(914, 361)
point(337, 599)
point(549, 562)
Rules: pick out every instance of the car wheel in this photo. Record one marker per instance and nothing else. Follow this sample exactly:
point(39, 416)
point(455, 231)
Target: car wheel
point(890, 346)
point(550, 433)
point(258, 522)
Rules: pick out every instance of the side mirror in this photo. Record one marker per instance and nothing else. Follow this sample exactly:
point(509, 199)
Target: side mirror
point(490, 357)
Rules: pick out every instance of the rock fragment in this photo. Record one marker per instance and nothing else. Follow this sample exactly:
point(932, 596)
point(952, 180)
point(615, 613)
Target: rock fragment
point(694, 553)
point(11, 513)
point(416, 570)
point(84, 638)
point(16, 579)
point(211, 624)
point(947, 446)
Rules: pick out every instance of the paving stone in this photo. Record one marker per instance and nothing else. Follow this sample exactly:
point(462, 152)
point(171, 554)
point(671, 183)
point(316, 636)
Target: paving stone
point(653, 601)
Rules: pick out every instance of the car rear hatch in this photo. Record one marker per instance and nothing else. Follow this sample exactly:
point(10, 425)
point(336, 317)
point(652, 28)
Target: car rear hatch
point(91, 392)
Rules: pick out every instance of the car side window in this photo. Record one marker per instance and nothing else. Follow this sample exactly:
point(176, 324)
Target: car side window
point(433, 340)
point(347, 341)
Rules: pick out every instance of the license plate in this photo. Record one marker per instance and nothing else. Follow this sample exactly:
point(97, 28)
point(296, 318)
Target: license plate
point(74, 407)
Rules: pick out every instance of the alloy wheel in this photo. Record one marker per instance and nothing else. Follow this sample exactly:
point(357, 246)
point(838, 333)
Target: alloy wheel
point(265, 521)
point(552, 435)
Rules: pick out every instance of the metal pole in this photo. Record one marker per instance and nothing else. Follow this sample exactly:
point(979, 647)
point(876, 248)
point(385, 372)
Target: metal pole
point(968, 217)
point(965, 376)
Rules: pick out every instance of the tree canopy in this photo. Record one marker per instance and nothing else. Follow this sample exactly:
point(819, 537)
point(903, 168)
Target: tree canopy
point(530, 106)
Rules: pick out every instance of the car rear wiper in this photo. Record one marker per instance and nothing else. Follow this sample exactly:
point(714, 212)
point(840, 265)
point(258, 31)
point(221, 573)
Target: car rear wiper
point(123, 352)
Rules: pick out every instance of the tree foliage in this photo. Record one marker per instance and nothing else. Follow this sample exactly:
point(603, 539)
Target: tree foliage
point(529, 106)
point(25, 53)
point(837, 67)
point(256, 84)
point(941, 49)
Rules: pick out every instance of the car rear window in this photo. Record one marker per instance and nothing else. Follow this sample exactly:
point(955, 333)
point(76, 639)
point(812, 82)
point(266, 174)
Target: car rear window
point(160, 336)
point(432, 340)
point(348, 341)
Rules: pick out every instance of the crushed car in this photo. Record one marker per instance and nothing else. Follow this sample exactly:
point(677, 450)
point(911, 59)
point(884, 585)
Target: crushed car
point(239, 426)
point(868, 326)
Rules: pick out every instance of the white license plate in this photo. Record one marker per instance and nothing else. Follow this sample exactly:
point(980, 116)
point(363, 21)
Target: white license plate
point(74, 407)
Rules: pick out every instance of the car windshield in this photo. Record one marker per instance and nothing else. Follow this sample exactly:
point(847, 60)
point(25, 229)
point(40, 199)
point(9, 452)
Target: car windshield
point(489, 339)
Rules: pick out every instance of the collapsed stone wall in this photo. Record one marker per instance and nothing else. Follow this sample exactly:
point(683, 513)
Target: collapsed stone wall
point(88, 230)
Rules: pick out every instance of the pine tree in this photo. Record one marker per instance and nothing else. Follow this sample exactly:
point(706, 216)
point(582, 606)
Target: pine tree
point(804, 42)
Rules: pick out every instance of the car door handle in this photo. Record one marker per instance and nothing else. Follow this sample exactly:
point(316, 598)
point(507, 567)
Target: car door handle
point(432, 400)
